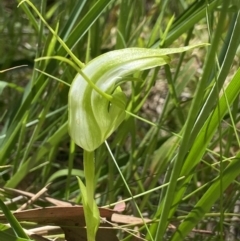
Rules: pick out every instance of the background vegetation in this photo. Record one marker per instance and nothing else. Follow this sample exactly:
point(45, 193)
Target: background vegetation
point(193, 145)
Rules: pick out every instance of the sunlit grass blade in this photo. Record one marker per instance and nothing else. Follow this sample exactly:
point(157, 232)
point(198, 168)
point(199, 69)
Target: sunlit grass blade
point(186, 144)
point(84, 25)
point(206, 133)
point(72, 20)
point(33, 20)
point(209, 128)
point(13, 222)
point(229, 54)
point(35, 159)
point(208, 199)
point(188, 22)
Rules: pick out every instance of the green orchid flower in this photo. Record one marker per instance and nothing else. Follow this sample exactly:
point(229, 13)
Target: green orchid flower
point(95, 113)
point(92, 117)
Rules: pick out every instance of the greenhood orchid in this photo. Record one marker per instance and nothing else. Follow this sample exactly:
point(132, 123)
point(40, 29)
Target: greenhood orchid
point(94, 116)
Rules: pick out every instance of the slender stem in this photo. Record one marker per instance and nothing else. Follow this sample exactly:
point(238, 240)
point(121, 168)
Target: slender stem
point(76, 60)
point(89, 171)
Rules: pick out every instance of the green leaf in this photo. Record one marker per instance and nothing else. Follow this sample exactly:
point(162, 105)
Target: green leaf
point(208, 199)
point(200, 144)
point(3, 84)
point(91, 213)
point(6, 233)
point(13, 221)
point(84, 25)
point(63, 173)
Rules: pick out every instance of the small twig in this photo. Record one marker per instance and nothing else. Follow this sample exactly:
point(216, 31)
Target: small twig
point(48, 199)
point(16, 67)
point(34, 198)
point(115, 226)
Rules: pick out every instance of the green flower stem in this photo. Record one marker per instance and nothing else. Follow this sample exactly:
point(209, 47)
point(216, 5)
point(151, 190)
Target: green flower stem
point(91, 212)
point(89, 171)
